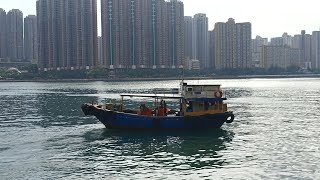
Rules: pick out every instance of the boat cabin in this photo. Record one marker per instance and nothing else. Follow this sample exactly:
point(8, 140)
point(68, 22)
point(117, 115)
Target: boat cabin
point(193, 100)
point(202, 99)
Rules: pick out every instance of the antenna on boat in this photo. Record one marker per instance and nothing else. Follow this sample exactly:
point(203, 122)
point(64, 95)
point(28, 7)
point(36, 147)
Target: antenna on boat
point(199, 73)
point(182, 76)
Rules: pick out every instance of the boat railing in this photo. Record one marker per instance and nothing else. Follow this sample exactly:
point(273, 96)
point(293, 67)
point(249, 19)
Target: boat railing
point(205, 94)
point(166, 91)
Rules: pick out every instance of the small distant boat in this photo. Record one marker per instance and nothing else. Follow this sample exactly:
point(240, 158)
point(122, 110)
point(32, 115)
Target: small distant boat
point(201, 107)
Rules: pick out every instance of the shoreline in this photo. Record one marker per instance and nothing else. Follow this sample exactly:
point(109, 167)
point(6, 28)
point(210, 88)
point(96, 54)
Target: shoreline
point(170, 78)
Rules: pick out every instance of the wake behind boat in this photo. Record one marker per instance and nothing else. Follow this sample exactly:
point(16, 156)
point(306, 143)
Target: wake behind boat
point(201, 107)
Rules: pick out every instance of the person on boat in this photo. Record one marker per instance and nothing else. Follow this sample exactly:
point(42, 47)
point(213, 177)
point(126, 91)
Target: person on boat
point(206, 105)
point(163, 110)
point(189, 107)
point(145, 111)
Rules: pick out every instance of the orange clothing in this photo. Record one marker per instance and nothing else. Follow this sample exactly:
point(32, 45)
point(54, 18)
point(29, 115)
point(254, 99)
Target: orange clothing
point(146, 112)
point(161, 111)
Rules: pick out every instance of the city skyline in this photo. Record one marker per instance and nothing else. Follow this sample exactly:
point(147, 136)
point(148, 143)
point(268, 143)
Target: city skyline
point(269, 19)
point(144, 34)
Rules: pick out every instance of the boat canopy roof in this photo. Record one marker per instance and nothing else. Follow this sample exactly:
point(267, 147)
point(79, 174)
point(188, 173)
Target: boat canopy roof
point(172, 96)
point(206, 99)
point(165, 96)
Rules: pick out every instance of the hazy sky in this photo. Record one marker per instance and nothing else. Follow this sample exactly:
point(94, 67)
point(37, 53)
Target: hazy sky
point(269, 18)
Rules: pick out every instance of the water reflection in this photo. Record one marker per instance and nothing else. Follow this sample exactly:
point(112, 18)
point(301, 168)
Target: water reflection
point(44, 134)
point(195, 149)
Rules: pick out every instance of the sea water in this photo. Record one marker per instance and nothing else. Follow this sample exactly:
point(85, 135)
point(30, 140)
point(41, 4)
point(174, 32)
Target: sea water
point(275, 135)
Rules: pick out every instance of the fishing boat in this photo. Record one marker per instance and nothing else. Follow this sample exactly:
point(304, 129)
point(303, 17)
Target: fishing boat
point(201, 107)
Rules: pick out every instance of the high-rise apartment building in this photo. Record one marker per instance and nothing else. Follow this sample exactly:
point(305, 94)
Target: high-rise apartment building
point(307, 51)
point(188, 43)
point(176, 33)
point(67, 34)
point(3, 34)
point(160, 34)
point(100, 50)
point(315, 63)
point(123, 34)
point(284, 40)
point(212, 49)
point(197, 39)
point(142, 33)
point(274, 56)
point(15, 35)
point(30, 38)
point(276, 41)
point(43, 35)
point(257, 44)
point(200, 40)
point(117, 42)
point(243, 45)
point(232, 45)
point(279, 56)
point(224, 51)
point(88, 33)
point(303, 41)
point(287, 39)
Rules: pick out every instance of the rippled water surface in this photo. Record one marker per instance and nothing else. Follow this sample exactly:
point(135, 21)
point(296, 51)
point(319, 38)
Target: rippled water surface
point(44, 135)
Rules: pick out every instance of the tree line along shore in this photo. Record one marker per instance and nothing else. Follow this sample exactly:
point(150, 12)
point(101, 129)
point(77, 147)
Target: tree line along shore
point(31, 73)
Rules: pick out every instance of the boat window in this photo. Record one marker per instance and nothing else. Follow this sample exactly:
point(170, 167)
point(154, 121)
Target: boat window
point(189, 89)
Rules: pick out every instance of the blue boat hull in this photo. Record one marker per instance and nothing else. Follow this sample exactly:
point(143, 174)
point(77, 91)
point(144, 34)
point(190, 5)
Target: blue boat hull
point(120, 120)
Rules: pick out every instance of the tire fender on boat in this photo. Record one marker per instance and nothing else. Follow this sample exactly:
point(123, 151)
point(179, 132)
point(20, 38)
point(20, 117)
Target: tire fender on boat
point(218, 94)
point(231, 116)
